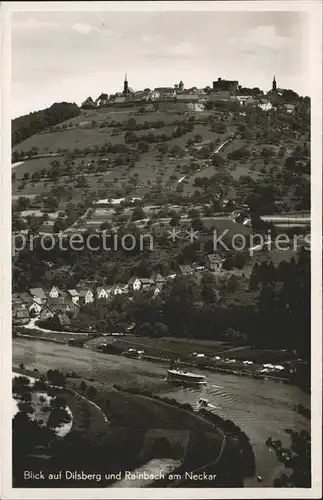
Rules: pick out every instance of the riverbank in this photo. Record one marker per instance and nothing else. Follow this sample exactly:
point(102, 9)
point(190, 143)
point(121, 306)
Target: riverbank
point(260, 408)
point(231, 360)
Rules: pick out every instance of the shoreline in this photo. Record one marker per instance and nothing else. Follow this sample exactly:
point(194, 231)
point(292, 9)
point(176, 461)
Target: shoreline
point(154, 359)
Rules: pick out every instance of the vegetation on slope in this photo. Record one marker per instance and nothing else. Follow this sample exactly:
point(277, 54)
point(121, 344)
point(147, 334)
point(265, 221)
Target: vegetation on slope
point(38, 121)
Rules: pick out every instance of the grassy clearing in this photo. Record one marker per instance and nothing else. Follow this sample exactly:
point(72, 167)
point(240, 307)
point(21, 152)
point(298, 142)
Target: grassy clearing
point(139, 412)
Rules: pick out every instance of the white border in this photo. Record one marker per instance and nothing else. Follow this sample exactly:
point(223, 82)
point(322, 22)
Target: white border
point(314, 8)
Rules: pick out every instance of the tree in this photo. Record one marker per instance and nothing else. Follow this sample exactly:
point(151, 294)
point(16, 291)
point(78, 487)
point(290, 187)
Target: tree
point(138, 214)
point(143, 147)
point(83, 386)
point(22, 204)
point(56, 378)
point(175, 220)
point(106, 225)
point(218, 160)
point(91, 392)
point(208, 292)
point(197, 224)
point(160, 330)
point(298, 459)
point(51, 204)
point(20, 385)
point(254, 277)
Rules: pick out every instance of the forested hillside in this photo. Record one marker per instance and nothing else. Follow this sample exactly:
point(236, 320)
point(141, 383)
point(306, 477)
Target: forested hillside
point(33, 123)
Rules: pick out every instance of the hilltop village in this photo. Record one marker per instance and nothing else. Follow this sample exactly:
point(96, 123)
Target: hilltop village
point(163, 173)
point(176, 164)
point(221, 90)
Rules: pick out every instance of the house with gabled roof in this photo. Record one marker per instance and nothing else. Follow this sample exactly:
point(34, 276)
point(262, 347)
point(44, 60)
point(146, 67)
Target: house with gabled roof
point(102, 100)
point(26, 298)
point(119, 289)
point(102, 293)
point(134, 284)
point(158, 279)
point(119, 99)
point(39, 293)
point(185, 270)
point(165, 91)
point(86, 296)
point(73, 296)
point(156, 290)
point(59, 304)
point(16, 301)
point(214, 261)
point(20, 316)
point(146, 283)
point(54, 292)
point(88, 103)
point(46, 313)
point(36, 306)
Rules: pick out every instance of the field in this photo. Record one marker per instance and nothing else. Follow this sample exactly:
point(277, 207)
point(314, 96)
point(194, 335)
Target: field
point(150, 169)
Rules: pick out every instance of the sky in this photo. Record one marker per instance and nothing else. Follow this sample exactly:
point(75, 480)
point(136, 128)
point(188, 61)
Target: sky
point(68, 56)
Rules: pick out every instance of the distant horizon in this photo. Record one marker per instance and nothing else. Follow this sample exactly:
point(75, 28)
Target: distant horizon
point(96, 95)
point(67, 56)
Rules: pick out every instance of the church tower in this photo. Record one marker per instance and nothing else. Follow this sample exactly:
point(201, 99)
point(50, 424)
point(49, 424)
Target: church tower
point(274, 87)
point(125, 85)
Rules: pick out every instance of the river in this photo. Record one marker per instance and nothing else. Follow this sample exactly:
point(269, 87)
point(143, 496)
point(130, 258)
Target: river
point(260, 408)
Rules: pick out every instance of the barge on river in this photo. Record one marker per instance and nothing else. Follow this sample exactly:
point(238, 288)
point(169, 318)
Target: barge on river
point(184, 377)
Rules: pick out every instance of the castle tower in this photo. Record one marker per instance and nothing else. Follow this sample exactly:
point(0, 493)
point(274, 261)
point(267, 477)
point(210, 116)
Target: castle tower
point(274, 87)
point(125, 85)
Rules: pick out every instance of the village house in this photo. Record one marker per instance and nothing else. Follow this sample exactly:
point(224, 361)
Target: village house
point(38, 293)
point(64, 320)
point(134, 284)
point(20, 316)
point(245, 100)
point(17, 302)
point(185, 270)
point(35, 308)
point(88, 103)
point(165, 92)
point(59, 304)
point(119, 289)
point(214, 261)
point(86, 296)
point(73, 296)
point(265, 105)
point(102, 100)
point(46, 313)
point(101, 293)
point(290, 108)
point(54, 292)
point(141, 95)
point(146, 283)
point(153, 95)
point(26, 299)
point(158, 279)
point(156, 291)
point(119, 99)
point(187, 97)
